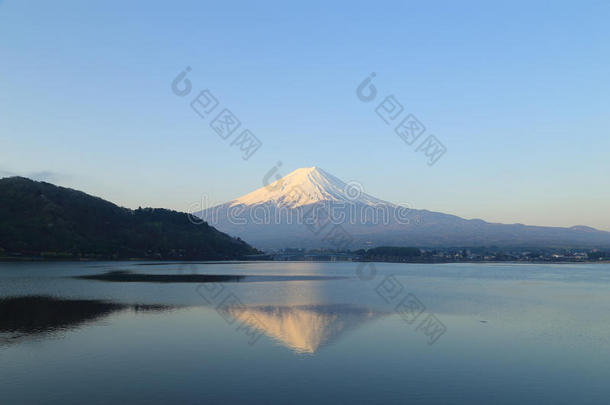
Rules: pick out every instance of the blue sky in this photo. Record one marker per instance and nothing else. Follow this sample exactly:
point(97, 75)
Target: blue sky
point(519, 94)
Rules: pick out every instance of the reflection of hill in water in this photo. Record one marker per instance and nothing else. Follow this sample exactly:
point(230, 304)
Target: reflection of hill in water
point(36, 315)
point(305, 329)
point(302, 328)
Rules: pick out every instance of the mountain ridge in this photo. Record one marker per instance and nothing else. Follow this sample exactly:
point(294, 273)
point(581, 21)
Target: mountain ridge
point(273, 217)
point(39, 219)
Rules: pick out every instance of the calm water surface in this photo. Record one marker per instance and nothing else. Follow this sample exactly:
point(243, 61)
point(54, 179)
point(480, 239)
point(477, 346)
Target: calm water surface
point(320, 333)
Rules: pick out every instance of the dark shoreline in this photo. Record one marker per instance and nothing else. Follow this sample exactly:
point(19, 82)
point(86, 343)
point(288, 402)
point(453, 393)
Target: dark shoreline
point(128, 277)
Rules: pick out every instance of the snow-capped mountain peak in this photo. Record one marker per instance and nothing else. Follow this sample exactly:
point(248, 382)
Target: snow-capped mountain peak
point(271, 218)
point(307, 185)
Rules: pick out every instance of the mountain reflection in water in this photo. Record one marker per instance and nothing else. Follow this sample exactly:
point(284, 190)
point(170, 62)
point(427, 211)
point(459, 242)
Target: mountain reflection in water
point(25, 316)
point(305, 329)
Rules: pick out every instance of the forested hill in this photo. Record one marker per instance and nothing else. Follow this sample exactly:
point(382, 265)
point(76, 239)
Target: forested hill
point(41, 219)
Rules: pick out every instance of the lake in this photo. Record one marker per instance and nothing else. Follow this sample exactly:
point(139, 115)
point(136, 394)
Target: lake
point(304, 332)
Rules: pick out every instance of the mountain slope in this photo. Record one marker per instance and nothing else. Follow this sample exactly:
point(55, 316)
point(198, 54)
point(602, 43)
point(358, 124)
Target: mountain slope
point(40, 218)
point(316, 185)
point(304, 207)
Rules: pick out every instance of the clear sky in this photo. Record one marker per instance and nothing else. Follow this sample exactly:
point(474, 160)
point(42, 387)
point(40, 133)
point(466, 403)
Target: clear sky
point(518, 92)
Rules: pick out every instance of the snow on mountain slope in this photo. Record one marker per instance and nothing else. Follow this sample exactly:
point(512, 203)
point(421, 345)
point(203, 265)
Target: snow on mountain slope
point(307, 186)
point(304, 207)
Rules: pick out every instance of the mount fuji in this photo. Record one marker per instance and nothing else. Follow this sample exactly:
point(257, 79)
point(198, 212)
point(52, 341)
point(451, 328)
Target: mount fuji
point(311, 208)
